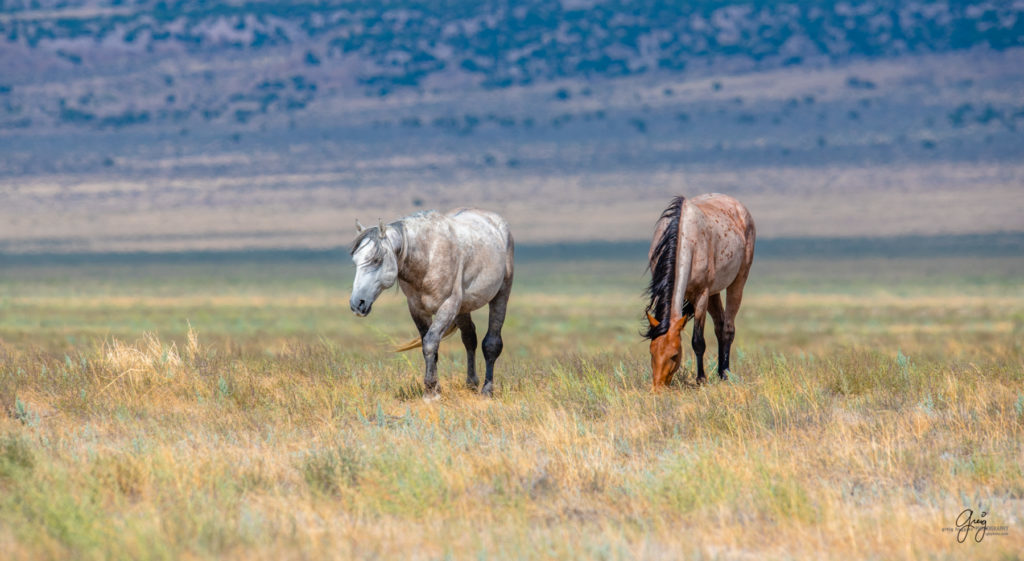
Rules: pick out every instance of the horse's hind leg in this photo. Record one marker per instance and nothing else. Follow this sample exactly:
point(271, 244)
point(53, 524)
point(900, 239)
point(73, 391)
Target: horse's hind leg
point(718, 318)
point(492, 341)
point(465, 323)
point(733, 297)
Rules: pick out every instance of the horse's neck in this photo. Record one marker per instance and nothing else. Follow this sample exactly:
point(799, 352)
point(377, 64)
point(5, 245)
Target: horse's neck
point(401, 248)
point(409, 264)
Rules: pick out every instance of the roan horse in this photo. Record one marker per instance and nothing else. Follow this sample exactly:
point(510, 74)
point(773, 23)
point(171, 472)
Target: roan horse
point(447, 265)
point(701, 247)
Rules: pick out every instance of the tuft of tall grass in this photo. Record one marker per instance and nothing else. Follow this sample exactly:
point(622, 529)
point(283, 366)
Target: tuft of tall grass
point(16, 456)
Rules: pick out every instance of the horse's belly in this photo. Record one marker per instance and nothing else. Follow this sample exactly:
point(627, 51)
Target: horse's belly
point(728, 260)
point(479, 291)
point(725, 276)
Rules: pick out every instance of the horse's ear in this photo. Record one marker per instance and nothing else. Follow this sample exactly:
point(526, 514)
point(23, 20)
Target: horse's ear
point(380, 225)
point(653, 322)
point(359, 227)
point(679, 324)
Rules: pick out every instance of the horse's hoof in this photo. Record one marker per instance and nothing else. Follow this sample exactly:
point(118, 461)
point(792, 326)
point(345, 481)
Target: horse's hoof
point(472, 383)
point(487, 390)
point(432, 393)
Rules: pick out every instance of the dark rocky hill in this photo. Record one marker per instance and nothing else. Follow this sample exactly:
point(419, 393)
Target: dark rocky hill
point(188, 60)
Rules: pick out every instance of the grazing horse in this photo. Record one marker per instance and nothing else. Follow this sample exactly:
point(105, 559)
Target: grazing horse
point(701, 247)
point(447, 265)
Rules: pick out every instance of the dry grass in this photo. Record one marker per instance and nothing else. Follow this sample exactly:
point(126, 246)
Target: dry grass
point(850, 430)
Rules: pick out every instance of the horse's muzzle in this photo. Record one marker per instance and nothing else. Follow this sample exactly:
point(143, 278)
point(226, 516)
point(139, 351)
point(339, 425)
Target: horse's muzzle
point(360, 308)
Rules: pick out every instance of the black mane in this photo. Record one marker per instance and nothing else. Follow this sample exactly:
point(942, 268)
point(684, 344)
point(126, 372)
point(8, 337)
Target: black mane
point(663, 271)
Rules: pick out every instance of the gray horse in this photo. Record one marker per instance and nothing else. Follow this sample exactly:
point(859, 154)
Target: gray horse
point(447, 265)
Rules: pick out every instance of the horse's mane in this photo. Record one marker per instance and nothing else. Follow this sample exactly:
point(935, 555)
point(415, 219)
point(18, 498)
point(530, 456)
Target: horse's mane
point(373, 234)
point(663, 270)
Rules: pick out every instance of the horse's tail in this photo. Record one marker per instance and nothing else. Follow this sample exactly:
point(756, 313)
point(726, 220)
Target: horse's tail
point(418, 342)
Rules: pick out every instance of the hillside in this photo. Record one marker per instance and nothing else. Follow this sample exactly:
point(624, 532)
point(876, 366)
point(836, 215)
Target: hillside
point(270, 124)
point(243, 60)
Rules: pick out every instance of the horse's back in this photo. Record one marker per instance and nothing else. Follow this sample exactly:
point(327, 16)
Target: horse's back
point(731, 213)
point(482, 230)
point(485, 244)
point(484, 222)
point(727, 230)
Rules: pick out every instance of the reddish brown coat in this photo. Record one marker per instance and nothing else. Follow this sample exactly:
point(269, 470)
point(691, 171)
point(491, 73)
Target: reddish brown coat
point(715, 249)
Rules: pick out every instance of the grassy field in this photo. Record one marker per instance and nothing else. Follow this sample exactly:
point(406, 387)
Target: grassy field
point(238, 410)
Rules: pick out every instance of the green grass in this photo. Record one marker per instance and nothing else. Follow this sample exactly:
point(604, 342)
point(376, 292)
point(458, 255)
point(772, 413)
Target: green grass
point(238, 410)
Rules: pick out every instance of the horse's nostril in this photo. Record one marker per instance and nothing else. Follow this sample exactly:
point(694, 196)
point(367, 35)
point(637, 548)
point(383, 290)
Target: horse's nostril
point(362, 303)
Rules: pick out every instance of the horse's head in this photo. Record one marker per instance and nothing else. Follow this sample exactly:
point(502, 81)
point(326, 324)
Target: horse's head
point(373, 252)
point(666, 350)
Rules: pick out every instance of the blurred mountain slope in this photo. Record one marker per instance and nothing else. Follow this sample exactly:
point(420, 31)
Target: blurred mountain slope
point(153, 126)
point(381, 47)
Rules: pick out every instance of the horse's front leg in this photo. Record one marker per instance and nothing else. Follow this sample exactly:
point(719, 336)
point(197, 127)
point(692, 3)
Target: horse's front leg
point(432, 342)
point(700, 308)
point(717, 314)
point(421, 319)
